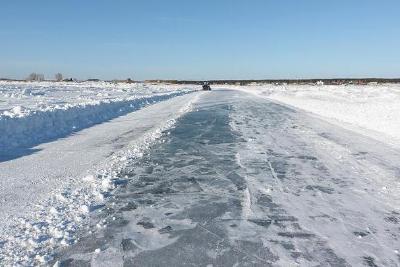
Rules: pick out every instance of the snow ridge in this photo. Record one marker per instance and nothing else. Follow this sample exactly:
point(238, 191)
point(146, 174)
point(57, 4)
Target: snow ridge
point(39, 126)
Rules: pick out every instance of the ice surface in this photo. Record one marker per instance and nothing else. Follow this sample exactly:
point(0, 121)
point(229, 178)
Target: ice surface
point(238, 180)
point(320, 183)
point(368, 109)
point(46, 196)
point(242, 181)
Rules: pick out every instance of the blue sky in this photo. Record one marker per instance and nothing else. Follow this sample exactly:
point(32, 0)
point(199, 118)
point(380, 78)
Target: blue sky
point(200, 39)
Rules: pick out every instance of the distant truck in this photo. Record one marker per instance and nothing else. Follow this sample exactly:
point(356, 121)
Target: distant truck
point(206, 86)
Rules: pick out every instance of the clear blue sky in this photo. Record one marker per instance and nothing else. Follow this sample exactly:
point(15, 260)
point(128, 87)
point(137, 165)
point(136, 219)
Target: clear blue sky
point(200, 39)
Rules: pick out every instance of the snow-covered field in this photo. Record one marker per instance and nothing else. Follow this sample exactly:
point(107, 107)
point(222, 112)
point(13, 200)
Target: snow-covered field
point(31, 113)
point(66, 147)
point(43, 96)
point(371, 110)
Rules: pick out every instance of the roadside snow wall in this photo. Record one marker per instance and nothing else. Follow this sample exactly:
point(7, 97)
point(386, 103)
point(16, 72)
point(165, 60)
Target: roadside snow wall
point(40, 126)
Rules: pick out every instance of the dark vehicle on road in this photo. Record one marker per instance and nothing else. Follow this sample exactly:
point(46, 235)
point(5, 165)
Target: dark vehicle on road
point(206, 87)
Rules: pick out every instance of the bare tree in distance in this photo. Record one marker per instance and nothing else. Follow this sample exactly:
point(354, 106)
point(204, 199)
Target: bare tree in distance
point(32, 77)
point(59, 77)
point(40, 77)
point(35, 77)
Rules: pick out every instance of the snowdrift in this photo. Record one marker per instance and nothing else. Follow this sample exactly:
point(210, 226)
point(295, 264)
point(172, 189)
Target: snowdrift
point(22, 127)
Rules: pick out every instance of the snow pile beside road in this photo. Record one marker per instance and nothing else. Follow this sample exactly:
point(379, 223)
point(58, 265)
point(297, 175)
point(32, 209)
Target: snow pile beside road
point(31, 113)
point(48, 95)
point(371, 110)
point(57, 221)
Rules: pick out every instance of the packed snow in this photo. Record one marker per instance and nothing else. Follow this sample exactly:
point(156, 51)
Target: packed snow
point(372, 110)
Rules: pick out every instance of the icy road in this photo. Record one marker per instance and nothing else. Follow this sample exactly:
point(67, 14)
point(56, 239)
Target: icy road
point(242, 181)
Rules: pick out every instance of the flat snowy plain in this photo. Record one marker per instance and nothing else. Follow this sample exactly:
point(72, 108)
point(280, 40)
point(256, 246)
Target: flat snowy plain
point(103, 174)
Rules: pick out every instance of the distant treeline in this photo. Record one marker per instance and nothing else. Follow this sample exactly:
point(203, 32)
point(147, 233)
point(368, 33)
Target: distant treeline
point(285, 81)
point(247, 82)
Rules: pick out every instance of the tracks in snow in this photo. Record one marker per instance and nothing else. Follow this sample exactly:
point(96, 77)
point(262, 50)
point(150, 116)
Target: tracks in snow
point(241, 180)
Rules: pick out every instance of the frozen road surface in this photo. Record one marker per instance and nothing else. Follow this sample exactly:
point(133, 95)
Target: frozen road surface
point(241, 181)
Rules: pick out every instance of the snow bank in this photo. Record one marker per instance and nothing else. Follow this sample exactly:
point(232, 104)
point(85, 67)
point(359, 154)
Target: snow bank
point(371, 110)
point(56, 222)
point(35, 113)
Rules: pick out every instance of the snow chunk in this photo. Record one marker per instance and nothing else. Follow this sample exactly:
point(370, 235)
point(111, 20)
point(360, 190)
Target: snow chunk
point(85, 209)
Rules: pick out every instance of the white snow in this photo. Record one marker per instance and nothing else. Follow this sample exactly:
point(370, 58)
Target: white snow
point(48, 192)
point(31, 113)
point(42, 96)
point(46, 195)
point(371, 110)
